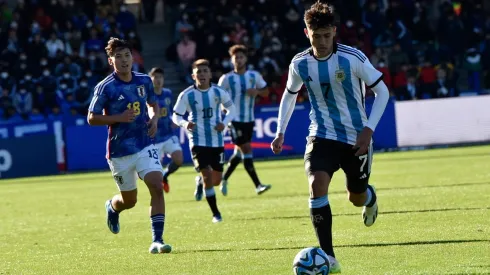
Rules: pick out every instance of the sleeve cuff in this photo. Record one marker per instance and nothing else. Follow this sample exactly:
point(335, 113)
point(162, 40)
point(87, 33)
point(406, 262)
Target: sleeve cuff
point(291, 92)
point(376, 82)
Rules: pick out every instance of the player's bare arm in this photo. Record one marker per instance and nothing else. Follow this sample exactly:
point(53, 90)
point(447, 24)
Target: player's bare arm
point(153, 110)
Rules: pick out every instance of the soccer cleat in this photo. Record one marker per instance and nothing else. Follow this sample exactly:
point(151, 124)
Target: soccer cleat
point(217, 218)
point(334, 265)
point(166, 186)
point(262, 188)
point(160, 247)
point(112, 218)
point(224, 187)
point(199, 189)
point(369, 214)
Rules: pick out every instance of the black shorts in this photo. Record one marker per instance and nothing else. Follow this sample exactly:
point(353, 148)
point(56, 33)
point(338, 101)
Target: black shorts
point(204, 157)
point(330, 155)
point(241, 132)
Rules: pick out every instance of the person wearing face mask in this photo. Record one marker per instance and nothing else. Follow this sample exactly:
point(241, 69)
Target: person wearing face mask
point(7, 82)
point(28, 82)
point(94, 63)
point(83, 94)
point(125, 19)
point(67, 78)
point(68, 66)
point(23, 102)
point(92, 79)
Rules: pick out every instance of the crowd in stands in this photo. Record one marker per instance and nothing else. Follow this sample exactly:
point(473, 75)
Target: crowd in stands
point(52, 55)
point(425, 48)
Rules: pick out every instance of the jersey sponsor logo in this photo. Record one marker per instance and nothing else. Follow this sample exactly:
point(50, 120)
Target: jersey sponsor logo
point(340, 75)
point(141, 91)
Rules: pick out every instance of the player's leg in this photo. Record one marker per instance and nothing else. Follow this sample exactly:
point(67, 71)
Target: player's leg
point(236, 158)
point(321, 162)
point(248, 162)
point(207, 176)
point(216, 161)
point(123, 171)
point(198, 158)
point(173, 148)
point(150, 170)
point(357, 170)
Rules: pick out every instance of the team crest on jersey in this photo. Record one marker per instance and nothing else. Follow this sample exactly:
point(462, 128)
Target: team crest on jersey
point(340, 75)
point(141, 90)
point(216, 100)
point(168, 101)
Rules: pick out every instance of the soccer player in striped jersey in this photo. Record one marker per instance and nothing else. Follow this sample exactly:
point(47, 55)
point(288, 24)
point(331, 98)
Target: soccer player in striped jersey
point(125, 102)
point(205, 130)
point(166, 140)
point(340, 132)
point(244, 86)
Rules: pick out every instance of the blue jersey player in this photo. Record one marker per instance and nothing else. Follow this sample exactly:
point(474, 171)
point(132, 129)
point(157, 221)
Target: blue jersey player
point(125, 102)
point(165, 140)
point(340, 133)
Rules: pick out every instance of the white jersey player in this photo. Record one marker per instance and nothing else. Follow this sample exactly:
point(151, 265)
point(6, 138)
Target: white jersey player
point(340, 132)
point(244, 86)
point(205, 129)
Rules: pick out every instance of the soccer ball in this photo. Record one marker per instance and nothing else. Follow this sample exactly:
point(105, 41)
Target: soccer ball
point(311, 261)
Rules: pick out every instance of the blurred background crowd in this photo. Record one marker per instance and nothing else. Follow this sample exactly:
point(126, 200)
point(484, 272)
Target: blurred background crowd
point(52, 51)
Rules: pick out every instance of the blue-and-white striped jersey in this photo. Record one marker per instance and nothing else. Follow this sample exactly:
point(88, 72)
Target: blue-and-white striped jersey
point(165, 129)
point(237, 85)
point(204, 110)
point(336, 91)
point(114, 96)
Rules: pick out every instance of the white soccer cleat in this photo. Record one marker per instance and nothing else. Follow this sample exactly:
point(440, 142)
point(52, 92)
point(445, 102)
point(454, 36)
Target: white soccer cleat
point(224, 187)
point(262, 188)
point(157, 248)
point(334, 265)
point(199, 188)
point(369, 214)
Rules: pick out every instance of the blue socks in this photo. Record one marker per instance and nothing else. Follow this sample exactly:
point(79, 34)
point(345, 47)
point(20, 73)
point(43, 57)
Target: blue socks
point(157, 224)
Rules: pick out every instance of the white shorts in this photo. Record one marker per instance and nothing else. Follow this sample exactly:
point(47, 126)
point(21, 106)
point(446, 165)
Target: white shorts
point(169, 146)
point(127, 169)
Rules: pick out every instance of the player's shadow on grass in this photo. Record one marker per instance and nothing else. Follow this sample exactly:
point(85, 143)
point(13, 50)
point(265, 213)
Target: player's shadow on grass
point(381, 213)
point(344, 246)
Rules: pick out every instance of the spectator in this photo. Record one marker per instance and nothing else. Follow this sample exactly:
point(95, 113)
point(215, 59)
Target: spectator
point(94, 43)
point(23, 102)
point(94, 63)
point(44, 20)
point(36, 48)
point(67, 79)
point(83, 95)
point(183, 26)
point(38, 100)
point(428, 77)
point(397, 58)
point(409, 91)
point(54, 44)
point(472, 63)
point(125, 19)
point(7, 82)
point(186, 50)
point(6, 101)
point(68, 66)
point(443, 87)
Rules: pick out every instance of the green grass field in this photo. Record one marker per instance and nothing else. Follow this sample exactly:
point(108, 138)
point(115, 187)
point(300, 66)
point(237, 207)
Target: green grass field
point(434, 219)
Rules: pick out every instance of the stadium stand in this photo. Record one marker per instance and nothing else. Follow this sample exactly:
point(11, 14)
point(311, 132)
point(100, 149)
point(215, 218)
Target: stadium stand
point(52, 51)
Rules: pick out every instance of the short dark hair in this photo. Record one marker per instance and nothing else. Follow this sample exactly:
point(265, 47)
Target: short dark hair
point(237, 49)
point(200, 62)
point(156, 70)
point(320, 15)
point(116, 44)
